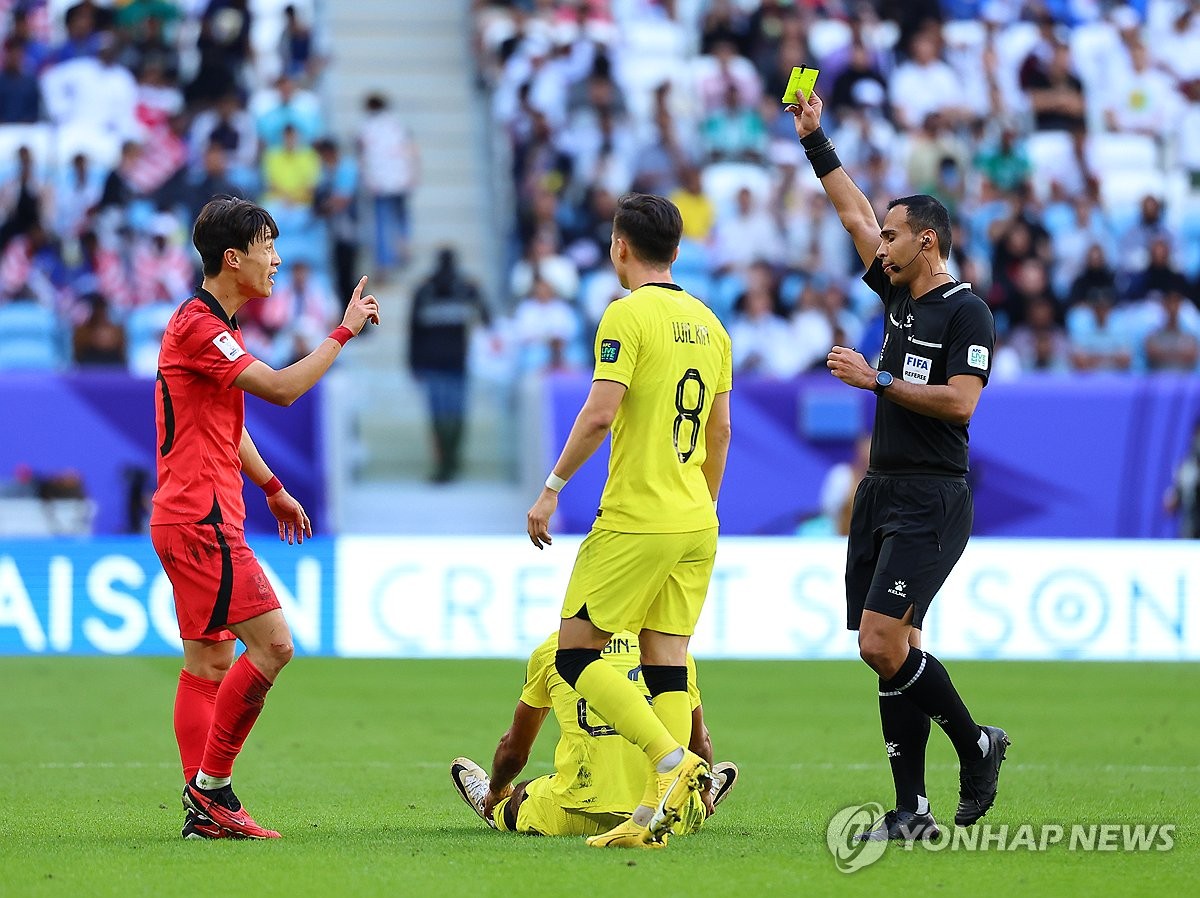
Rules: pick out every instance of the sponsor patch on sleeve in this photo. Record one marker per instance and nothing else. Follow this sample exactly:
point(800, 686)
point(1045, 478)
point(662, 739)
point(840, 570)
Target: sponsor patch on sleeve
point(977, 357)
point(229, 347)
point(610, 350)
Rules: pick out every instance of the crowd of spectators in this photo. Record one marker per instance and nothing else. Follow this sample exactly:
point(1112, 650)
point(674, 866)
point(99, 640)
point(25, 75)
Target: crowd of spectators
point(1063, 135)
point(118, 121)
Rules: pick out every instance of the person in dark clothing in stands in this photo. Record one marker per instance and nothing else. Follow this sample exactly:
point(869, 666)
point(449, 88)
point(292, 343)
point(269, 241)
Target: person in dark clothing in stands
point(444, 307)
point(99, 340)
point(20, 100)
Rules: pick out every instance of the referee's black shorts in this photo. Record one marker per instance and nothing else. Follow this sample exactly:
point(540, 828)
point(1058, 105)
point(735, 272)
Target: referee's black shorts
point(906, 535)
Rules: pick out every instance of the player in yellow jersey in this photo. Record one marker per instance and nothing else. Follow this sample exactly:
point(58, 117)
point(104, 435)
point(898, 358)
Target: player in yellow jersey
point(598, 778)
point(661, 385)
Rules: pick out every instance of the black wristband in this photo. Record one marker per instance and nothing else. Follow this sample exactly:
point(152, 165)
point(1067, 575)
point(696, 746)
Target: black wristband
point(813, 141)
point(826, 162)
point(820, 152)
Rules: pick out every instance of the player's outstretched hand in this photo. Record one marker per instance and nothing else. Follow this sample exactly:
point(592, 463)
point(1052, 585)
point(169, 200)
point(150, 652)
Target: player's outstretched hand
point(537, 522)
point(806, 113)
point(294, 524)
point(361, 309)
point(849, 366)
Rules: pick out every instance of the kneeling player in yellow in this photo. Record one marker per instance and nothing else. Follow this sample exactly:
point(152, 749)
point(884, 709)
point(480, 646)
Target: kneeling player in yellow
point(598, 778)
point(661, 385)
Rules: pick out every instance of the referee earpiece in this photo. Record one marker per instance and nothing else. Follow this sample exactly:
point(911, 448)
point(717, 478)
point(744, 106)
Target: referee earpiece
point(924, 245)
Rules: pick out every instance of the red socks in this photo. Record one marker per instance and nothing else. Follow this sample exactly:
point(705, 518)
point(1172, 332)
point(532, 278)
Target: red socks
point(194, 700)
point(239, 700)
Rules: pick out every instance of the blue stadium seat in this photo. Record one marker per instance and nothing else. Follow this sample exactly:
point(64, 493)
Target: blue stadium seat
point(27, 320)
point(29, 355)
point(725, 293)
point(693, 256)
point(1189, 238)
point(791, 287)
point(29, 338)
point(147, 323)
point(700, 285)
point(143, 334)
point(302, 237)
point(40, 141)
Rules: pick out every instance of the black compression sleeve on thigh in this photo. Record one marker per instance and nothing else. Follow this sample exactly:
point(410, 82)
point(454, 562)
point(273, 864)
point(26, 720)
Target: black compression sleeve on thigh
point(570, 663)
point(660, 678)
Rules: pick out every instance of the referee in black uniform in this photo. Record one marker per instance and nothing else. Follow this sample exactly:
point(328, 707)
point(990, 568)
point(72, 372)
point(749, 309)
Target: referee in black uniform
point(913, 511)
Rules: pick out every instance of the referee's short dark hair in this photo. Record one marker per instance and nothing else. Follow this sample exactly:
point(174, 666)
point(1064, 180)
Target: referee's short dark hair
point(926, 214)
point(651, 225)
point(226, 221)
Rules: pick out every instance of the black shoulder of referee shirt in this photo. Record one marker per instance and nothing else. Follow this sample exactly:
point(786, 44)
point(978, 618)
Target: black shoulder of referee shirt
point(943, 333)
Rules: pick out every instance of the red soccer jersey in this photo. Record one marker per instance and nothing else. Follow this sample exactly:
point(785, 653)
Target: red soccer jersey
point(199, 414)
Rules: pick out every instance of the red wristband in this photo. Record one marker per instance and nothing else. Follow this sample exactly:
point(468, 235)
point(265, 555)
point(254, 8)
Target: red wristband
point(342, 334)
point(272, 486)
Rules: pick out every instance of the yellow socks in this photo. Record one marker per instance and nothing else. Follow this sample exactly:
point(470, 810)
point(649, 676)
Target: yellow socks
point(674, 709)
point(619, 702)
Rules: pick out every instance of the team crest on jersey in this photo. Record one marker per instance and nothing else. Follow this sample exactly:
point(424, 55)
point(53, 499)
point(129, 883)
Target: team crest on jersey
point(610, 350)
point(977, 357)
point(229, 347)
point(916, 368)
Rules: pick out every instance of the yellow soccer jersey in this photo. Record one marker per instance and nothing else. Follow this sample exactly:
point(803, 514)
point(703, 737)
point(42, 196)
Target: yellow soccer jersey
point(595, 768)
point(672, 353)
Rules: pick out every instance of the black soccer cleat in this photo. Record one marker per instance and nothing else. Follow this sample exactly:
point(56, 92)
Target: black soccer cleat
point(904, 826)
point(977, 783)
point(198, 826)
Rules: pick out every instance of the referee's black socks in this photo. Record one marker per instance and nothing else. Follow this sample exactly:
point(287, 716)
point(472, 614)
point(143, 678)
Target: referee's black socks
point(905, 735)
point(924, 681)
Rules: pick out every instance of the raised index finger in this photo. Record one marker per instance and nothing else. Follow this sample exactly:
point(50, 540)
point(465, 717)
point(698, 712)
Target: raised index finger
point(358, 289)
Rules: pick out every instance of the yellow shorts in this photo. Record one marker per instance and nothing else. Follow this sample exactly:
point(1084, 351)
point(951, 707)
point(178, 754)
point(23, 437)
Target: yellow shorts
point(635, 581)
point(542, 814)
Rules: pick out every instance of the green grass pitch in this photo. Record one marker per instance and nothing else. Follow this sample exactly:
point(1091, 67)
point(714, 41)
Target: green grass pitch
point(350, 761)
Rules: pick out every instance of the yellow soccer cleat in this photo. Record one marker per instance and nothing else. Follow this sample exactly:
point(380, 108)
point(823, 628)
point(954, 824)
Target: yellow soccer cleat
point(627, 835)
point(675, 788)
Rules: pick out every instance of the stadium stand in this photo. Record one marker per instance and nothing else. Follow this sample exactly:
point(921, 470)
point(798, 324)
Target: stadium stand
point(1007, 112)
point(120, 135)
point(1070, 197)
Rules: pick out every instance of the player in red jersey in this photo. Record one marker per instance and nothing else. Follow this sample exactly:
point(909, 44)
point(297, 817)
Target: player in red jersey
point(221, 593)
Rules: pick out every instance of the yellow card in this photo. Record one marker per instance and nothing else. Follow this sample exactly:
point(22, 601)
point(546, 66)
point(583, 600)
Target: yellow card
point(802, 79)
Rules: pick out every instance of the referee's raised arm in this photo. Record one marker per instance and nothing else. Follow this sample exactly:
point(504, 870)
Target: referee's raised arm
point(853, 207)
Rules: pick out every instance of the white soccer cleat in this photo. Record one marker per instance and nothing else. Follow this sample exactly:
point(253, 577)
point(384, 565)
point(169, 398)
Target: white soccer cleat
point(472, 784)
point(724, 775)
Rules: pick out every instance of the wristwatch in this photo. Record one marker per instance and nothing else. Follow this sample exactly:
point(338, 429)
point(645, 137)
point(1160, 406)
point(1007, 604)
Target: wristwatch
point(883, 380)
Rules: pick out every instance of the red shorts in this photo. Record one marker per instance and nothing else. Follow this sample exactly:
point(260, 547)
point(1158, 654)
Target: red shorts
point(216, 578)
